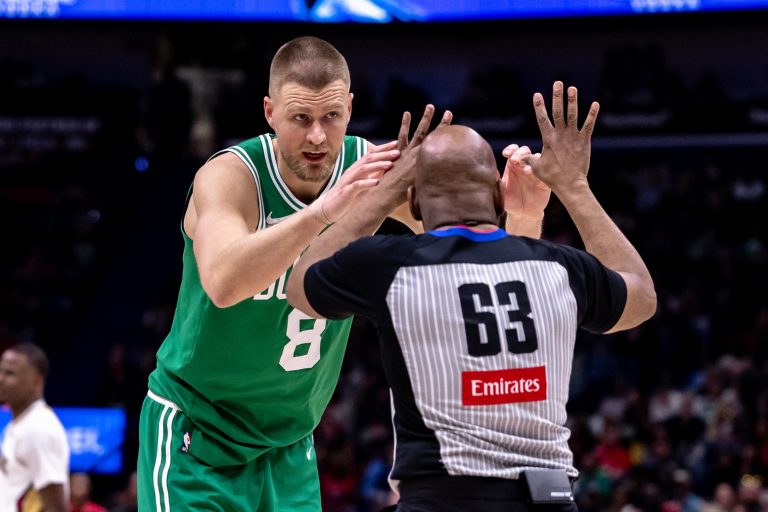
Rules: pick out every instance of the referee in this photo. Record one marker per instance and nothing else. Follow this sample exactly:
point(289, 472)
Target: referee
point(477, 327)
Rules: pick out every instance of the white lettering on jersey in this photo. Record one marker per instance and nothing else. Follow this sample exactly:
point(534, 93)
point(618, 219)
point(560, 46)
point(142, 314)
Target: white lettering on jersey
point(278, 285)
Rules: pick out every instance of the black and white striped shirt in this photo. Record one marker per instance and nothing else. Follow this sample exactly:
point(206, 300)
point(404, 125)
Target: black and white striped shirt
point(477, 332)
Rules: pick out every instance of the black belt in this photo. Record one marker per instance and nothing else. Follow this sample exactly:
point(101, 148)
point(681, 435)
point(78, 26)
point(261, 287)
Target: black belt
point(447, 486)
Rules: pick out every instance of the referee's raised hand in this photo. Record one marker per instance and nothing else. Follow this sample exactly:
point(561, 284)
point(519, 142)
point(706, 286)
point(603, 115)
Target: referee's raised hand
point(563, 166)
point(565, 155)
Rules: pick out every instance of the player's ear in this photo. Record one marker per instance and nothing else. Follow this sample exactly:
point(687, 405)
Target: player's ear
point(413, 204)
point(269, 110)
point(349, 106)
point(498, 197)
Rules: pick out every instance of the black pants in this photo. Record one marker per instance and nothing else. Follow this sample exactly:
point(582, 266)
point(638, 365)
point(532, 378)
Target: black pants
point(470, 494)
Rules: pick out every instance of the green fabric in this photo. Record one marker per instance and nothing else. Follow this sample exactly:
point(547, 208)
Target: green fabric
point(281, 479)
point(248, 376)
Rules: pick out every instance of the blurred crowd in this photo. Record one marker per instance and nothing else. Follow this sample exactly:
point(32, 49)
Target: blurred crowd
point(669, 417)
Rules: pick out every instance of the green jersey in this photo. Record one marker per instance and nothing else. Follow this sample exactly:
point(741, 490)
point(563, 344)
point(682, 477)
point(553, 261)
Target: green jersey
point(258, 374)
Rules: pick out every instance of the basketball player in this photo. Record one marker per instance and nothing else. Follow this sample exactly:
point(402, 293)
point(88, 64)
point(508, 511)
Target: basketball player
point(242, 379)
point(477, 327)
point(34, 459)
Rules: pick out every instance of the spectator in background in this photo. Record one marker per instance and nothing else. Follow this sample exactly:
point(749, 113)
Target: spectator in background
point(749, 494)
point(684, 499)
point(375, 492)
point(339, 477)
point(80, 492)
point(724, 498)
point(611, 454)
point(125, 500)
point(34, 461)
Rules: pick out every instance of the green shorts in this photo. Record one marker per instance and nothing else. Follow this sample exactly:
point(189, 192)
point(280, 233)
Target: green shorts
point(170, 479)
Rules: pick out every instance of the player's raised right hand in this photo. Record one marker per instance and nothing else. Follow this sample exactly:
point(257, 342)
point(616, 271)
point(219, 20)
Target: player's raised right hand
point(362, 176)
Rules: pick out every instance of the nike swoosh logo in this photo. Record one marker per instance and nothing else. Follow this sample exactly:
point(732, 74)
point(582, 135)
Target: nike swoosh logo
point(271, 221)
point(309, 453)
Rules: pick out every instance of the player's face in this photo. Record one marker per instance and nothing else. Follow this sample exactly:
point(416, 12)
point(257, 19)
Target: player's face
point(18, 378)
point(310, 127)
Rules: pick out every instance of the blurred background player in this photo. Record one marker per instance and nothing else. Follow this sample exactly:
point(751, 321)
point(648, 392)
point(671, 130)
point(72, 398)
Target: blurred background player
point(80, 494)
point(34, 462)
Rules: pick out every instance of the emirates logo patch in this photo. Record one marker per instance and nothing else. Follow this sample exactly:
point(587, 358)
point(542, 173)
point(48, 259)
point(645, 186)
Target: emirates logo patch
point(504, 386)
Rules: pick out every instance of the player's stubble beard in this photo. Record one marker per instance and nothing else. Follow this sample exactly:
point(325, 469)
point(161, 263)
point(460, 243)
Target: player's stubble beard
point(312, 173)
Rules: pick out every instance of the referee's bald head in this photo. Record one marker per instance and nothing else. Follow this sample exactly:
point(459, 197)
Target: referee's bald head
point(456, 179)
point(455, 157)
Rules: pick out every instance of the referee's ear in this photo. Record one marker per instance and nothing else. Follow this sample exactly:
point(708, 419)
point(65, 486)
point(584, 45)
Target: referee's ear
point(413, 204)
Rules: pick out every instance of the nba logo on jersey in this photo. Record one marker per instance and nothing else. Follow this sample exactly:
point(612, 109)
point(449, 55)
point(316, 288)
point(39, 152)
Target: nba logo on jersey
point(187, 440)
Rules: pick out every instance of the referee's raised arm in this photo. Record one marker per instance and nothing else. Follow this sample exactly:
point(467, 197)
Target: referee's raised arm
point(564, 165)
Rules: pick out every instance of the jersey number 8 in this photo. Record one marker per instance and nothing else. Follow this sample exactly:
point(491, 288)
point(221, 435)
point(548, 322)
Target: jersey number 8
point(297, 337)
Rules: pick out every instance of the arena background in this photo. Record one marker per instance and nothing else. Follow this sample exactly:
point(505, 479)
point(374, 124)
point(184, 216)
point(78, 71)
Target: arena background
point(103, 124)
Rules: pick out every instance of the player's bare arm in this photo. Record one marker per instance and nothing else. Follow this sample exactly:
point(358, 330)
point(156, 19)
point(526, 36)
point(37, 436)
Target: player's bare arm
point(235, 260)
point(365, 217)
point(53, 499)
point(564, 165)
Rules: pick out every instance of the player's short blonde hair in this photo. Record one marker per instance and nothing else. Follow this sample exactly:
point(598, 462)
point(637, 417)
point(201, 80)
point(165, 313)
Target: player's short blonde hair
point(309, 62)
